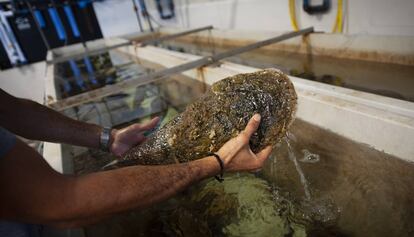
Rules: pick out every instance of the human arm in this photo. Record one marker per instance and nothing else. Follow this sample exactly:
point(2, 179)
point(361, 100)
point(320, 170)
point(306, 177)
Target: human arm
point(33, 192)
point(37, 122)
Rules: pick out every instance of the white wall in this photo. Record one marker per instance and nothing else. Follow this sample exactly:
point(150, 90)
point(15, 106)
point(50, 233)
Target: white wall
point(26, 81)
point(116, 17)
point(368, 17)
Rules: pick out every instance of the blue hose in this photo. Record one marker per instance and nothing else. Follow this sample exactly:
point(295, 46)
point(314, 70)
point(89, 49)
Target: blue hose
point(39, 18)
point(77, 74)
point(72, 22)
point(83, 3)
point(90, 70)
point(57, 23)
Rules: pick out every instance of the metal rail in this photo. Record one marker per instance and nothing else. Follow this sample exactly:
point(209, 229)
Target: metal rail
point(172, 36)
point(90, 52)
point(158, 75)
point(87, 52)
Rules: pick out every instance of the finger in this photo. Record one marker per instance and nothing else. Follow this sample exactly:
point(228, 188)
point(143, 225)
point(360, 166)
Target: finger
point(264, 154)
point(139, 138)
point(149, 125)
point(252, 125)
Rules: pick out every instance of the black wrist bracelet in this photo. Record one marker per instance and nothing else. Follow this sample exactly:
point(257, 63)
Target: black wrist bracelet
point(220, 161)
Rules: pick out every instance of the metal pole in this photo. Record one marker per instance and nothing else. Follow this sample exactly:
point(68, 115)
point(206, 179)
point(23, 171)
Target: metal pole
point(89, 52)
point(138, 17)
point(149, 22)
point(143, 9)
point(102, 50)
point(158, 75)
point(38, 26)
point(260, 44)
point(176, 35)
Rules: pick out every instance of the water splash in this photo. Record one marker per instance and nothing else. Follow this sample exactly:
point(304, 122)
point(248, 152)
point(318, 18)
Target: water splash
point(291, 137)
point(309, 157)
point(303, 180)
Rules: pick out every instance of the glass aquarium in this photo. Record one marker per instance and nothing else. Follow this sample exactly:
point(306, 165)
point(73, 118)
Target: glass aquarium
point(80, 75)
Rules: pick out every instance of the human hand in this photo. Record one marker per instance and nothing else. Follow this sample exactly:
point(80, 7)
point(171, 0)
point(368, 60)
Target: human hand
point(124, 139)
point(236, 153)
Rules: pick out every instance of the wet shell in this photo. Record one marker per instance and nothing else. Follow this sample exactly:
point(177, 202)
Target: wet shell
point(220, 115)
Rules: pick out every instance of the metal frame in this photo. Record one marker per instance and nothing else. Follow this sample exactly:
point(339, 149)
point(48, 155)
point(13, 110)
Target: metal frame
point(90, 52)
point(158, 75)
point(172, 36)
point(9, 41)
point(137, 15)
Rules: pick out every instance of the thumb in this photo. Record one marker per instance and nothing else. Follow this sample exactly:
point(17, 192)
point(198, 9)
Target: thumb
point(252, 125)
point(264, 154)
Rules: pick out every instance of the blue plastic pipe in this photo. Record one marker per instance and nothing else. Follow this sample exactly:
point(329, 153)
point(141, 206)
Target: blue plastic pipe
point(90, 70)
point(39, 18)
point(57, 23)
point(76, 72)
point(72, 22)
point(83, 3)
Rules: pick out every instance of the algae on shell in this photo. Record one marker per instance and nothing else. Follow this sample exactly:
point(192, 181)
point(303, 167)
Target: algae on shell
point(220, 115)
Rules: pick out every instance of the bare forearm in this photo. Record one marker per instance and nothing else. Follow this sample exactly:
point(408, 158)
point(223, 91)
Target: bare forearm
point(136, 187)
point(34, 121)
point(37, 194)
